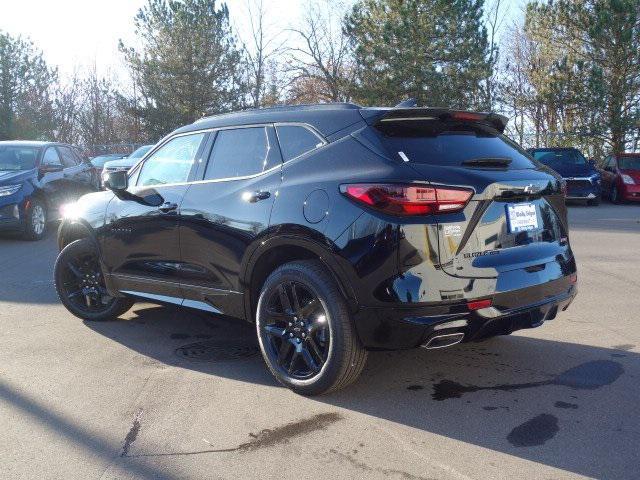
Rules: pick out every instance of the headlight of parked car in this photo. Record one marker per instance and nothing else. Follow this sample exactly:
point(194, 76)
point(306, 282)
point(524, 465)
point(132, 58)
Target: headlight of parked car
point(627, 179)
point(9, 190)
point(596, 178)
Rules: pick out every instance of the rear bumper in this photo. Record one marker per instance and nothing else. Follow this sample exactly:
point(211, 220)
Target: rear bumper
point(401, 328)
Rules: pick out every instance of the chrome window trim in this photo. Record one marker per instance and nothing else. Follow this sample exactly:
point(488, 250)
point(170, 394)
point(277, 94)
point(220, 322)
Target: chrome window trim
point(135, 168)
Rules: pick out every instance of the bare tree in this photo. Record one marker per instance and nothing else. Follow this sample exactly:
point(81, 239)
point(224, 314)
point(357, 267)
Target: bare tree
point(67, 104)
point(262, 53)
point(322, 67)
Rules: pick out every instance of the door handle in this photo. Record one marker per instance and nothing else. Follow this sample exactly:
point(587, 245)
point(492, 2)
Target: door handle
point(253, 197)
point(167, 207)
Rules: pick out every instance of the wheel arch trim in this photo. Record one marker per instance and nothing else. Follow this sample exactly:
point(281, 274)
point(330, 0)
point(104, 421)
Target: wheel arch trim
point(320, 251)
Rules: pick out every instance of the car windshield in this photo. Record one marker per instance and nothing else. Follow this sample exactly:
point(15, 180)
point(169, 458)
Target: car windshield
point(629, 162)
point(102, 159)
point(559, 158)
point(16, 158)
point(139, 153)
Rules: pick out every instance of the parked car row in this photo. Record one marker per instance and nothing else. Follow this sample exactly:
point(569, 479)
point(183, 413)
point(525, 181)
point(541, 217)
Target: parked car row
point(617, 177)
point(37, 178)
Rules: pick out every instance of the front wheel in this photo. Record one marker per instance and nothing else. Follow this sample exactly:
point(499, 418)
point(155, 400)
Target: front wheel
point(615, 196)
point(35, 222)
point(305, 330)
point(80, 284)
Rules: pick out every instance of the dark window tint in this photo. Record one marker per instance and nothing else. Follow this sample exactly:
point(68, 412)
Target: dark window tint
point(448, 143)
point(51, 157)
point(68, 158)
point(630, 162)
point(238, 152)
point(558, 158)
point(295, 140)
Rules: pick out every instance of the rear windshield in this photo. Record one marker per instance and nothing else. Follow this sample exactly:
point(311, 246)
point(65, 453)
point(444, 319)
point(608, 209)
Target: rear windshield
point(629, 163)
point(449, 143)
point(558, 158)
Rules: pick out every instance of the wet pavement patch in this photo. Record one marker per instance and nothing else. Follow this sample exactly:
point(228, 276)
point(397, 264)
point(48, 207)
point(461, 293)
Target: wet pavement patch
point(534, 432)
point(268, 437)
point(586, 376)
point(415, 387)
point(132, 434)
point(216, 351)
point(560, 404)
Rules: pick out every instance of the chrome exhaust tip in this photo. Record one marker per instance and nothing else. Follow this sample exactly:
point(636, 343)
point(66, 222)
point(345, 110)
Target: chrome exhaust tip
point(442, 341)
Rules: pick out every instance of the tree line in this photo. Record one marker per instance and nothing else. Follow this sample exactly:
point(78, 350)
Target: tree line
point(568, 74)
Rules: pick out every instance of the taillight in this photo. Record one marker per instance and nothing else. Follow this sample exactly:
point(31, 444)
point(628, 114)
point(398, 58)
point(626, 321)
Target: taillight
point(468, 116)
point(408, 199)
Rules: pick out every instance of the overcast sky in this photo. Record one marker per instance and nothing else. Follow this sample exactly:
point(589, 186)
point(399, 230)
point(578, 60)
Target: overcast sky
point(78, 33)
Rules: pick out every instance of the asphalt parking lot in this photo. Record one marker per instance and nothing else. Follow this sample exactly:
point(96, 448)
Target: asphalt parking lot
point(171, 393)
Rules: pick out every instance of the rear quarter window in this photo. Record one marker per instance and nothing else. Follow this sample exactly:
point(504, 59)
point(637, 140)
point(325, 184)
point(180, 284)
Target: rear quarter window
point(449, 143)
point(296, 140)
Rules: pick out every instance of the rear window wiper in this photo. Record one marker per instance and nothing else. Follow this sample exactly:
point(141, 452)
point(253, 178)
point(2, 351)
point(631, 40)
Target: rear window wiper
point(487, 162)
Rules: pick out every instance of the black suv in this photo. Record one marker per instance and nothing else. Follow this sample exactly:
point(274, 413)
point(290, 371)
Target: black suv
point(335, 228)
point(36, 179)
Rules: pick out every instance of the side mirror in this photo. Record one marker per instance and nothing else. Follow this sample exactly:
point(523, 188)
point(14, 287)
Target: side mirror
point(117, 180)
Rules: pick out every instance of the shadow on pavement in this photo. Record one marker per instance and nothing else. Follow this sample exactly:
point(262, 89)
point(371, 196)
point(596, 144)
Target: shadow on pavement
point(569, 406)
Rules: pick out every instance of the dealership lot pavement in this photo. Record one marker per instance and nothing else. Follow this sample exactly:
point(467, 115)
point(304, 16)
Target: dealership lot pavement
point(170, 393)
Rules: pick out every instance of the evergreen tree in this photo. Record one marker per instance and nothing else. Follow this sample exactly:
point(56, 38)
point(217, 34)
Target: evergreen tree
point(433, 50)
point(189, 64)
point(26, 108)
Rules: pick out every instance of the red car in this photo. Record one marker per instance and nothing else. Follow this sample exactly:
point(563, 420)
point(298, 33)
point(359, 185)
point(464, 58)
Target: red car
point(621, 177)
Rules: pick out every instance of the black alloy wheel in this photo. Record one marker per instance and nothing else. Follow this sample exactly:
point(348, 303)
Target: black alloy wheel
point(80, 283)
point(305, 330)
point(295, 330)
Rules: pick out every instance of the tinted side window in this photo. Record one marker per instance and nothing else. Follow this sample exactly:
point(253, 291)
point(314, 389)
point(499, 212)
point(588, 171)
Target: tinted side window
point(172, 162)
point(68, 159)
point(51, 157)
point(238, 152)
point(295, 140)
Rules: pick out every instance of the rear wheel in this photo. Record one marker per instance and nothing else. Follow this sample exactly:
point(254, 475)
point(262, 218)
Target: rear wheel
point(305, 330)
point(80, 284)
point(35, 222)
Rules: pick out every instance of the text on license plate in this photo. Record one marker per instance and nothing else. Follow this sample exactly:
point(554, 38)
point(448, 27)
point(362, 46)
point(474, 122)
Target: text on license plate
point(522, 217)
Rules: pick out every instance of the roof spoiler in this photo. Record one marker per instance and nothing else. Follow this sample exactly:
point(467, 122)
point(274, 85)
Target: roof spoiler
point(375, 116)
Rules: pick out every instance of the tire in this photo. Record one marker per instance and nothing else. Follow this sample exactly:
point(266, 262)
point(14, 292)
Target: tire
point(35, 222)
point(78, 279)
point(615, 195)
point(339, 361)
